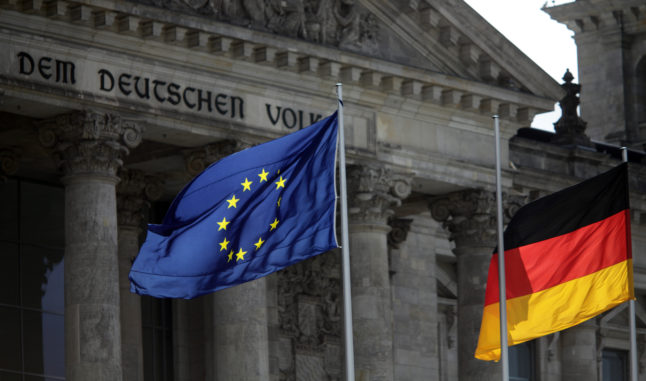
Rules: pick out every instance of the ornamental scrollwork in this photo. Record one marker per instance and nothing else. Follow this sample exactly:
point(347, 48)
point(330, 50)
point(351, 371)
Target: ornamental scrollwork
point(89, 142)
point(470, 215)
point(134, 192)
point(309, 310)
point(373, 193)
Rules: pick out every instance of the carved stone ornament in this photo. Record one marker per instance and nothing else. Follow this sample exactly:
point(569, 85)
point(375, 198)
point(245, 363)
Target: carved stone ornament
point(470, 216)
point(309, 311)
point(89, 142)
point(134, 191)
point(399, 231)
point(372, 192)
point(450, 314)
point(9, 161)
point(198, 159)
point(341, 23)
point(570, 128)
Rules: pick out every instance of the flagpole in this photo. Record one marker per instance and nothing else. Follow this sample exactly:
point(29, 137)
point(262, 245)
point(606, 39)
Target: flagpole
point(501, 260)
point(345, 245)
point(631, 311)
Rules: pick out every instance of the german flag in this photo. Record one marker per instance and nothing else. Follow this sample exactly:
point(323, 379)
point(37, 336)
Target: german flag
point(567, 259)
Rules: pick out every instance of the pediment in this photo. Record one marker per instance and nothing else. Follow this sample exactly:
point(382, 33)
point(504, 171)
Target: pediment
point(446, 37)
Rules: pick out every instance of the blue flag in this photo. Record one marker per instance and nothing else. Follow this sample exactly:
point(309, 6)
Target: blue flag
point(246, 216)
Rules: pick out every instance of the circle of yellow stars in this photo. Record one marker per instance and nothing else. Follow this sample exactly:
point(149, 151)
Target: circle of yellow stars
point(233, 203)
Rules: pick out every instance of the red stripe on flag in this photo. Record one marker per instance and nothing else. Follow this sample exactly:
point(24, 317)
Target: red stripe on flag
point(548, 263)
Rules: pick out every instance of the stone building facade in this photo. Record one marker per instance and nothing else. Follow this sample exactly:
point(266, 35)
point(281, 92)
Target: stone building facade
point(108, 107)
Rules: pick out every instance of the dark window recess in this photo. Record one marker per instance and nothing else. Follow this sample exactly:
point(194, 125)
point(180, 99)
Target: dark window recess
point(31, 281)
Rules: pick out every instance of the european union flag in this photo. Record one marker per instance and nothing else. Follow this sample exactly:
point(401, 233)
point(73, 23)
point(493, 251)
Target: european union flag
point(246, 216)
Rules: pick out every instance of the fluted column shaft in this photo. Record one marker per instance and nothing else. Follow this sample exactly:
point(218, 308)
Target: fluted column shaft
point(470, 217)
point(371, 195)
point(90, 146)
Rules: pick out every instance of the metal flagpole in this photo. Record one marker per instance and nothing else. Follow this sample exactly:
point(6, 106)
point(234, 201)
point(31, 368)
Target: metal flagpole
point(345, 246)
point(504, 351)
point(631, 311)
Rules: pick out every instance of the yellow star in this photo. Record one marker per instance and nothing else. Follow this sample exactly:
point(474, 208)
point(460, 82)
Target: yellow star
point(274, 224)
point(223, 244)
point(280, 183)
point(240, 255)
point(223, 224)
point(230, 256)
point(263, 175)
point(233, 201)
point(278, 203)
point(259, 243)
point(246, 186)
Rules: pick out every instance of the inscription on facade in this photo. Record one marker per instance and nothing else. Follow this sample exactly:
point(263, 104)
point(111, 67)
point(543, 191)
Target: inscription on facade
point(47, 67)
point(97, 78)
point(162, 91)
point(289, 117)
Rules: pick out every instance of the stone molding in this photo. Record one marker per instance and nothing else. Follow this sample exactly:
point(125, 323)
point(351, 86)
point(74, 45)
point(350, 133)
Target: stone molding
point(373, 192)
point(599, 15)
point(197, 160)
point(238, 45)
point(470, 216)
point(134, 192)
point(89, 142)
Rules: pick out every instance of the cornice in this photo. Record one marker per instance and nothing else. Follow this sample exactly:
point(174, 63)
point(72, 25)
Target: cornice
point(594, 15)
point(139, 24)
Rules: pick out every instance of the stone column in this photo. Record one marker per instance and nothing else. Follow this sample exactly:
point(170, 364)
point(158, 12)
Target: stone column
point(238, 316)
point(579, 352)
point(90, 146)
point(470, 217)
point(132, 194)
point(240, 331)
point(371, 195)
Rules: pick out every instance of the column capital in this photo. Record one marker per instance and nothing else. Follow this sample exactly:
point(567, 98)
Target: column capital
point(470, 215)
point(89, 142)
point(372, 192)
point(9, 161)
point(399, 231)
point(198, 159)
point(134, 191)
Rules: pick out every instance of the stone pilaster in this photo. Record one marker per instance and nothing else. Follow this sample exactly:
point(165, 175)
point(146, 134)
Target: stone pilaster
point(579, 352)
point(133, 193)
point(372, 193)
point(89, 147)
point(470, 217)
